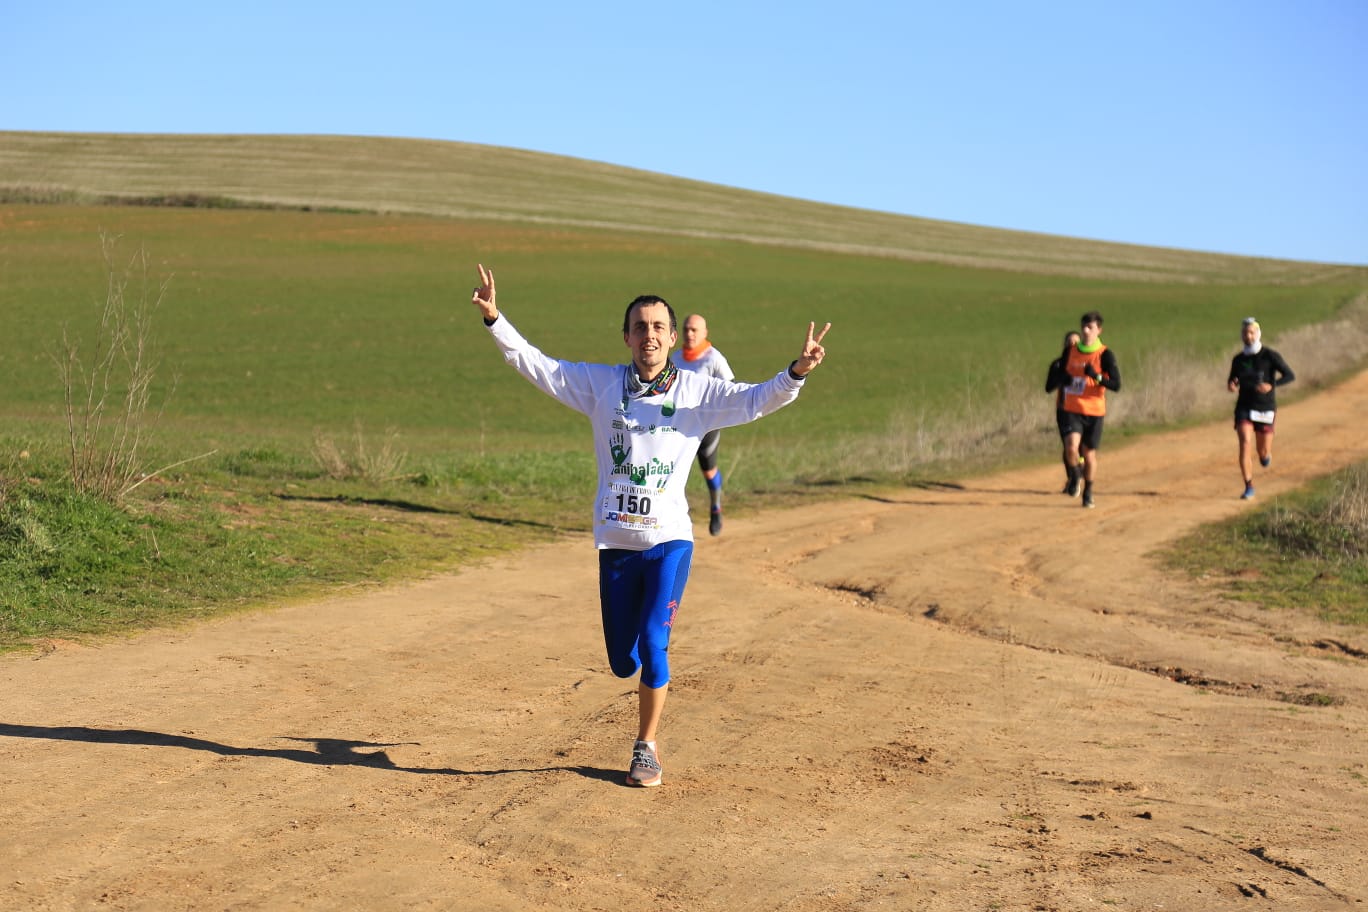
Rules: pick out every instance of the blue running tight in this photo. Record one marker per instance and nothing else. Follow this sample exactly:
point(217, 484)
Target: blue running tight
point(639, 593)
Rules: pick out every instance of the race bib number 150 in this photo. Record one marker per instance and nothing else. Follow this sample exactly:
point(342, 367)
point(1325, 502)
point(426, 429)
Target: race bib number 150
point(629, 507)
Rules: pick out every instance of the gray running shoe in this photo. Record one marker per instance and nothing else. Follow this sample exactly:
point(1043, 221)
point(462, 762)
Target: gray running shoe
point(1087, 500)
point(715, 523)
point(1072, 488)
point(645, 768)
point(1249, 493)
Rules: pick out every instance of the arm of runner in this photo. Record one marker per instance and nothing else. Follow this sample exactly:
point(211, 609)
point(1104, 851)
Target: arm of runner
point(574, 384)
point(723, 369)
point(1111, 374)
point(813, 352)
point(726, 404)
point(483, 296)
point(1285, 375)
point(1055, 377)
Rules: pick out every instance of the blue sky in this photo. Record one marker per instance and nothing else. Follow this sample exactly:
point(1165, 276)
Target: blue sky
point(1238, 127)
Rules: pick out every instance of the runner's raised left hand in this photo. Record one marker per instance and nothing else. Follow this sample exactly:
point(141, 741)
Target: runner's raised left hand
point(813, 352)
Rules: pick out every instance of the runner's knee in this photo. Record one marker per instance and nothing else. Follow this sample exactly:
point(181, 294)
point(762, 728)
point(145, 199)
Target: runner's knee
point(624, 666)
point(655, 671)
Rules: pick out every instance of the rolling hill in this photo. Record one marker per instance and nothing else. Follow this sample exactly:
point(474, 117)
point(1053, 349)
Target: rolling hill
point(470, 181)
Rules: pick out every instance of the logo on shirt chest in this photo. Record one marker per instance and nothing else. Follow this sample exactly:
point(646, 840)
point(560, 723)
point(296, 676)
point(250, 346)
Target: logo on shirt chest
point(656, 472)
point(640, 422)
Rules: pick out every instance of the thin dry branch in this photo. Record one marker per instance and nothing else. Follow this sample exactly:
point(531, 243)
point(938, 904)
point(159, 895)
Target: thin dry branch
point(108, 404)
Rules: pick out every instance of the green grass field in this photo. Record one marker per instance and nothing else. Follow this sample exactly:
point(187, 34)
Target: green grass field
point(279, 324)
point(282, 327)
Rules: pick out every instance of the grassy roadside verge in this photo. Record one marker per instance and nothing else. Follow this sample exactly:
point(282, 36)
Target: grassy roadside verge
point(251, 529)
point(1306, 550)
point(258, 527)
point(183, 548)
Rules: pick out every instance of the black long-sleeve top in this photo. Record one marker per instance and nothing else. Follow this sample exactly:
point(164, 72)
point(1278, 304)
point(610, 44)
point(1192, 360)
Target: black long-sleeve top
point(1267, 366)
point(1056, 378)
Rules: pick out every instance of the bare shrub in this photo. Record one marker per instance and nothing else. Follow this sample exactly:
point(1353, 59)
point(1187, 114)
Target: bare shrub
point(108, 403)
point(1347, 507)
point(1010, 414)
point(1332, 527)
point(330, 458)
point(1166, 386)
point(386, 464)
point(1322, 351)
point(40, 194)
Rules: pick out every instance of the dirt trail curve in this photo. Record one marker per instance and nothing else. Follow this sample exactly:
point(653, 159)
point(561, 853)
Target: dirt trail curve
point(960, 698)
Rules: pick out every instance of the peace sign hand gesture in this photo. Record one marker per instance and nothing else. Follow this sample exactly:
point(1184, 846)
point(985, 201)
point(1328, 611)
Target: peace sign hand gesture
point(483, 295)
point(813, 352)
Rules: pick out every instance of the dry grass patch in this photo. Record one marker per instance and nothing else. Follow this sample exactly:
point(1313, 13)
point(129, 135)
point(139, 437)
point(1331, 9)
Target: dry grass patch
point(360, 459)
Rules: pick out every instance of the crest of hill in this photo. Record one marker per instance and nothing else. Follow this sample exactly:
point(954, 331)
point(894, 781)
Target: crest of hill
point(468, 181)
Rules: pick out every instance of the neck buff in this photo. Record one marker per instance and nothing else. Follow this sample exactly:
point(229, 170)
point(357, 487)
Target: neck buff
point(1253, 348)
point(1089, 349)
point(693, 354)
point(639, 389)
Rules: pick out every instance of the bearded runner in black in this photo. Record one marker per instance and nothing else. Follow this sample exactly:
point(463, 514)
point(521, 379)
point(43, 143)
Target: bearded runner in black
point(1255, 373)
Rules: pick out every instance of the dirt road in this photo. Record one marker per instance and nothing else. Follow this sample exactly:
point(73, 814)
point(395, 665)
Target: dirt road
point(958, 698)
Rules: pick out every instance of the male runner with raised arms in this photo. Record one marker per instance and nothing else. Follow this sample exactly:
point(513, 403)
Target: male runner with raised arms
point(699, 355)
point(1254, 373)
point(647, 418)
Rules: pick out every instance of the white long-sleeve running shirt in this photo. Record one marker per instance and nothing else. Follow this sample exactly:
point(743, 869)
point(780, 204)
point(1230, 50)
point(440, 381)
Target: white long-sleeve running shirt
point(712, 363)
point(644, 446)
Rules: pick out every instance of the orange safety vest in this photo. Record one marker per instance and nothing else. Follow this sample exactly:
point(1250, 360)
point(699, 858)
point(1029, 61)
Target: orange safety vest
point(1081, 395)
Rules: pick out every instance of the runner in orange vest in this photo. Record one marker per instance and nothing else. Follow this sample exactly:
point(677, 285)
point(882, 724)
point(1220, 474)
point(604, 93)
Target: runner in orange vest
point(1092, 371)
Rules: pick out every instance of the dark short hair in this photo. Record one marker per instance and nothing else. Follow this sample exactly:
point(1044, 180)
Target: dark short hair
point(644, 301)
point(1091, 316)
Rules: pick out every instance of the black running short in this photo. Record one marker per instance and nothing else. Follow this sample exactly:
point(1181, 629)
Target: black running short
point(1089, 427)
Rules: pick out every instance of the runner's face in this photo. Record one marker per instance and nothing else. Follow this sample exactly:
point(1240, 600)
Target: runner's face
point(650, 338)
point(695, 331)
point(1250, 334)
point(1090, 332)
